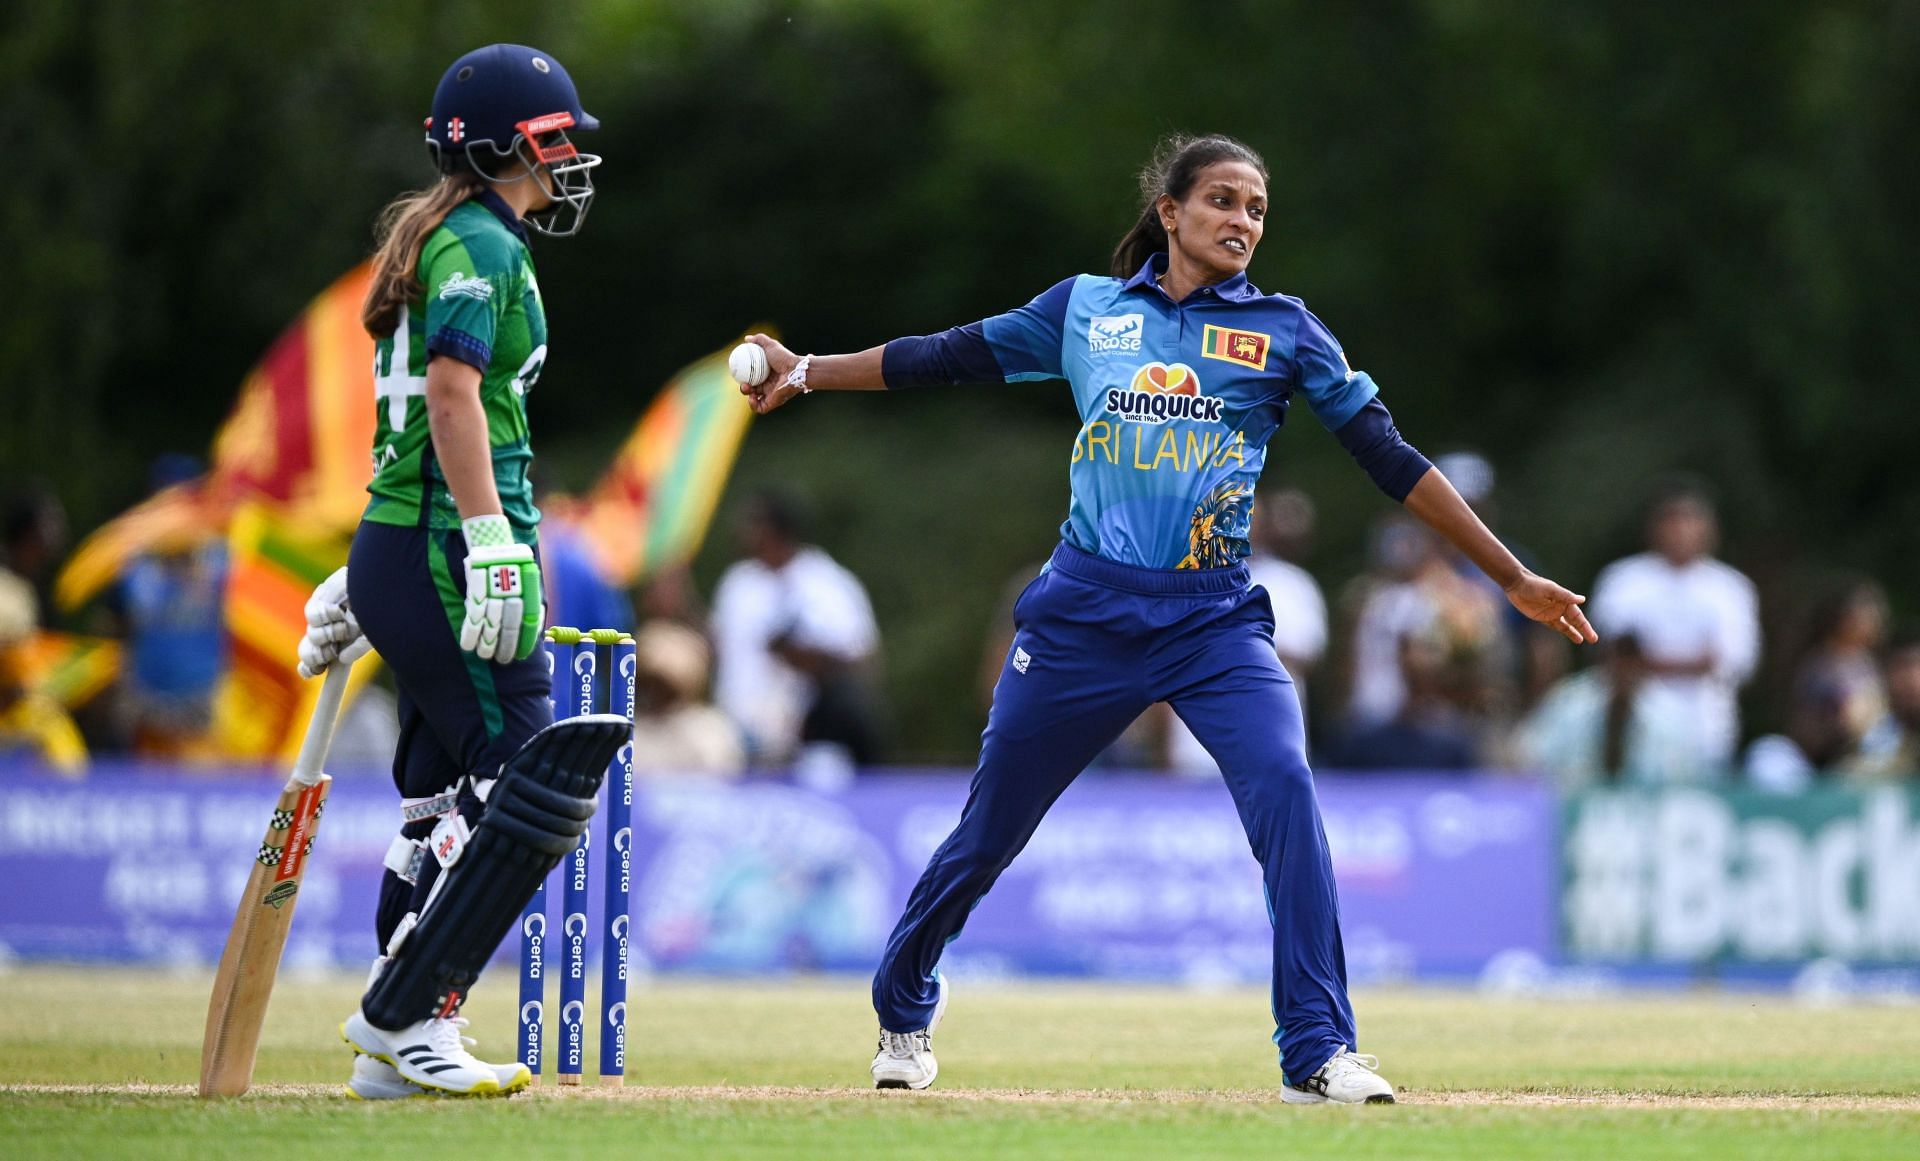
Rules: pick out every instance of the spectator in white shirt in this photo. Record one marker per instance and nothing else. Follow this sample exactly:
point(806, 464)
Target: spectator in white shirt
point(794, 634)
point(1281, 534)
point(1697, 619)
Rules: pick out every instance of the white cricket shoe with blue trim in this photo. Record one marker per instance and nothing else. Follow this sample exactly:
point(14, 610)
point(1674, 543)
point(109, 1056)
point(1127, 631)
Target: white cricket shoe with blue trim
point(431, 1055)
point(376, 1080)
point(905, 1059)
point(1350, 1078)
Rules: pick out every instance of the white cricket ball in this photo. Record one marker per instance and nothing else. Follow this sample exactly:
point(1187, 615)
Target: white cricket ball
point(748, 364)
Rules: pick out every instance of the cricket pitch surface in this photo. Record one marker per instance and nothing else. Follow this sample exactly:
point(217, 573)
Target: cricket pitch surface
point(102, 1062)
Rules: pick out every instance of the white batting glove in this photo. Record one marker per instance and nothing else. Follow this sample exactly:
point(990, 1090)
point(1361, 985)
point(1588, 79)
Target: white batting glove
point(504, 608)
point(332, 633)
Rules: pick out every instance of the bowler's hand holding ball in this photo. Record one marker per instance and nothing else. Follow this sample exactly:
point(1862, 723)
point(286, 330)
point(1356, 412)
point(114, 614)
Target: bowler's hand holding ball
point(748, 364)
point(768, 388)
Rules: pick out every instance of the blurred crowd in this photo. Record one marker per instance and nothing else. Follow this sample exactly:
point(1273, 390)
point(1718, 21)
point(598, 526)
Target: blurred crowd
point(1418, 663)
point(1423, 665)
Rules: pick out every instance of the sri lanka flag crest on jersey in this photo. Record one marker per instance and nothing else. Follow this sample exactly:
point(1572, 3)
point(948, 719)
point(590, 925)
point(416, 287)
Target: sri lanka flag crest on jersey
point(1247, 348)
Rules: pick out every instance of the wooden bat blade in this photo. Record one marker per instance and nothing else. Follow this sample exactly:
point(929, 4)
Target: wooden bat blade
point(251, 960)
point(252, 957)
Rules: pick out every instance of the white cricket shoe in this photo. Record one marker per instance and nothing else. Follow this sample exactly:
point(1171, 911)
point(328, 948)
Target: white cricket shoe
point(1350, 1078)
point(376, 1080)
point(905, 1059)
point(433, 1055)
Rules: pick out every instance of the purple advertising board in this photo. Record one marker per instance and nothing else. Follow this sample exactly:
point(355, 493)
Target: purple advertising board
point(1129, 877)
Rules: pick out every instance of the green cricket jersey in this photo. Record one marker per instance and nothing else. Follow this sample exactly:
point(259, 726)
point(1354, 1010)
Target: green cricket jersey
point(482, 306)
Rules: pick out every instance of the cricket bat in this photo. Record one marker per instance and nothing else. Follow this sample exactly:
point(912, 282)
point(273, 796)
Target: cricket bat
point(252, 957)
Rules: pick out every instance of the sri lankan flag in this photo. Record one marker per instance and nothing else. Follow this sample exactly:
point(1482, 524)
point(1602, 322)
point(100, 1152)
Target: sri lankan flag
point(652, 507)
point(298, 438)
point(1247, 348)
point(261, 709)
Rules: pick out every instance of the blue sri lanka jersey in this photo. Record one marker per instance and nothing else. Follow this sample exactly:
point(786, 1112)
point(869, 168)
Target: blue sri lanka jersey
point(1177, 401)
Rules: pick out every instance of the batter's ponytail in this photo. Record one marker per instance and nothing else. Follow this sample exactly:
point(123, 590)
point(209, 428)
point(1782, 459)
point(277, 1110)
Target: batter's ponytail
point(399, 233)
point(1176, 163)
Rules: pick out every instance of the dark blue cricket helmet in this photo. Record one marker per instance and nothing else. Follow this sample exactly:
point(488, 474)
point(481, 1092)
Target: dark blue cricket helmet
point(505, 101)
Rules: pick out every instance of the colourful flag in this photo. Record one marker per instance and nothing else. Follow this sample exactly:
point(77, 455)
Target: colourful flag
point(298, 437)
point(68, 667)
point(273, 563)
point(652, 507)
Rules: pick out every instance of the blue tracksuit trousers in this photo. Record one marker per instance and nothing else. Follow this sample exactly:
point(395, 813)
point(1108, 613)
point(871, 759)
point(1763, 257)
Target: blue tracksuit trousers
point(1096, 643)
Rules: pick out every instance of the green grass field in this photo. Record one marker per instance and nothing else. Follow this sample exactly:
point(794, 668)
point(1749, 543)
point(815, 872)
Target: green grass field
point(101, 1063)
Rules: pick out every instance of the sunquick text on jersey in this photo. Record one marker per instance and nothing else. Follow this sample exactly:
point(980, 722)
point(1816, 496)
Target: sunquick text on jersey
point(1147, 407)
point(1162, 393)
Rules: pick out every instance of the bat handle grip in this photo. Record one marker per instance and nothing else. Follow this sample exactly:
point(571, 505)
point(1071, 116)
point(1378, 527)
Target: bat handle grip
point(326, 714)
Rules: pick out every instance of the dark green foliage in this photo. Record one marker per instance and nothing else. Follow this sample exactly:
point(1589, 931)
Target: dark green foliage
point(1596, 240)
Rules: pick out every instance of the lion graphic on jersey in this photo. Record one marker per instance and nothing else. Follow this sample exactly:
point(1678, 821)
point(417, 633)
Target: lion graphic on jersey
point(1217, 534)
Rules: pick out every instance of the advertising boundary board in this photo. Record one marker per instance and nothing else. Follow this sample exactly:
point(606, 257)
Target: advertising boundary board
point(1729, 881)
point(1130, 877)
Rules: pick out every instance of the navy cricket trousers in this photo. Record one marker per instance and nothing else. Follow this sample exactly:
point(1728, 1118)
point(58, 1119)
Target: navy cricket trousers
point(1096, 643)
point(459, 715)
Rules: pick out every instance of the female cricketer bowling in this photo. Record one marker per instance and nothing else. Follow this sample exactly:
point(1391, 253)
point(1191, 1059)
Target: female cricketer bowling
point(1182, 371)
point(442, 576)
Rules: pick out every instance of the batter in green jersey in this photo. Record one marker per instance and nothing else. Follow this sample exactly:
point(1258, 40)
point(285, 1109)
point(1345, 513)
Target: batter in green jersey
point(481, 306)
point(444, 575)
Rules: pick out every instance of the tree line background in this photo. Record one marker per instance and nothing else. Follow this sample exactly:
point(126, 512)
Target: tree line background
point(1596, 241)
